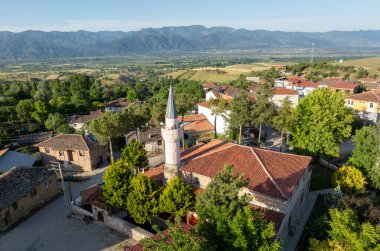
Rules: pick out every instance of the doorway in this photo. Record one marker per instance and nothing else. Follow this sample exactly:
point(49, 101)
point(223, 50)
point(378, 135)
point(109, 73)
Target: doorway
point(70, 155)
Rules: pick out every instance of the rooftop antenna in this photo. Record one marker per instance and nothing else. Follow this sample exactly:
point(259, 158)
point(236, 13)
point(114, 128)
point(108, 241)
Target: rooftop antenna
point(312, 53)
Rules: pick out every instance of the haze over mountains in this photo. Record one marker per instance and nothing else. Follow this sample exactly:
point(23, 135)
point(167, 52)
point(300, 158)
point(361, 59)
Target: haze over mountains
point(37, 45)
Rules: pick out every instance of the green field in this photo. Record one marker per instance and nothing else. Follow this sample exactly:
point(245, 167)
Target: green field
point(223, 74)
point(372, 65)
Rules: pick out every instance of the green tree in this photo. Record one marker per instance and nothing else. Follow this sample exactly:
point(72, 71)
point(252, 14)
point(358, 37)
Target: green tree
point(176, 198)
point(24, 109)
point(142, 201)
point(117, 180)
point(65, 129)
point(349, 179)
point(138, 116)
point(240, 113)
point(321, 123)
point(108, 127)
point(54, 120)
point(40, 112)
point(226, 221)
point(175, 238)
point(134, 155)
point(263, 109)
point(187, 95)
point(284, 119)
point(218, 108)
point(132, 95)
point(366, 154)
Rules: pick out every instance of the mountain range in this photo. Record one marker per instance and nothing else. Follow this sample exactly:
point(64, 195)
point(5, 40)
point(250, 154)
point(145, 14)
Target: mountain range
point(39, 45)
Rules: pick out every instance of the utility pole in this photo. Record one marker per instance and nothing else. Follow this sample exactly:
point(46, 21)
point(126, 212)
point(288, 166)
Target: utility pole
point(312, 53)
point(67, 203)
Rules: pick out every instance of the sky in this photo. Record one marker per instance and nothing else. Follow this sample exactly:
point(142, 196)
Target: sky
point(129, 15)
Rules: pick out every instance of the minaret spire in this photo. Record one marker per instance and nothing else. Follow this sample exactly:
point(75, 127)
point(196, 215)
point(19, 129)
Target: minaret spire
point(171, 109)
point(171, 133)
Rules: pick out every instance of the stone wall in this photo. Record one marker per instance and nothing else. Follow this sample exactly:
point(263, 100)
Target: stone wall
point(127, 228)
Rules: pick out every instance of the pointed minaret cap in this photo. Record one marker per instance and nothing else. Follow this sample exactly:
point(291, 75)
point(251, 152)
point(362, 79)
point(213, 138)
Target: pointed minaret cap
point(171, 110)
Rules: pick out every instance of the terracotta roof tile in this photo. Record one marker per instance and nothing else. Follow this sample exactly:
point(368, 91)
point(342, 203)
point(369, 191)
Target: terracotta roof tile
point(193, 117)
point(270, 215)
point(343, 85)
point(277, 178)
point(198, 126)
point(370, 96)
point(308, 84)
point(69, 142)
point(85, 118)
point(284, 91)
point(209, 86)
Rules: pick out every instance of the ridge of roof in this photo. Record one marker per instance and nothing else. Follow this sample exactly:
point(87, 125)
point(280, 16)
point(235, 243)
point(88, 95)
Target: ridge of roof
point(268, 174)
point(213, 151)
point(41, 144)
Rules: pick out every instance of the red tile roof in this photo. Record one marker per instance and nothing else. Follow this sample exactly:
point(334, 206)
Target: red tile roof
point(271, 173)
point(253, 86)
point(156, 174)
point(193, 117)
point(295, 79)
point(369, 80)
point(308, 84)
point(284, 91)
point(343, 85)
point(69, 142)
point(370, 96)
point(209, 86)
point(3, 151)
point(198, 126)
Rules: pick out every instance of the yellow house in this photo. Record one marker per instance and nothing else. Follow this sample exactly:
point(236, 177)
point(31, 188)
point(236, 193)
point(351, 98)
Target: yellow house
point(367, 104)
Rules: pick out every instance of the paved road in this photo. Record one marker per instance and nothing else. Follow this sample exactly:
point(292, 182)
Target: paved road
point(50, 229)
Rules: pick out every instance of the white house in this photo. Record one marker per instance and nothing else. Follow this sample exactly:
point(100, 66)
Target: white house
point(279, 94)
point(221, 121)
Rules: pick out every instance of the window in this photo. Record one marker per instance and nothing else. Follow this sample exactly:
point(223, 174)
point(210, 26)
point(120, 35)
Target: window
point(370, 105)
point(47, 150)
point(349, 101)
point(14, 206)
point(61, 153)
point(33, 192)
point(81, 153)
point(159, 142)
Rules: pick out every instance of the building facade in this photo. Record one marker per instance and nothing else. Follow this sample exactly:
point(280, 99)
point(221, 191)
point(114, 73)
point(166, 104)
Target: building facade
point(366, 104)
point(75, 152)
point(23, 190)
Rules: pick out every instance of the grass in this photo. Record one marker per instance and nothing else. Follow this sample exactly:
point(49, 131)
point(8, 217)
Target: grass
point(321, 178)
point(370, 64)
point(225, 74)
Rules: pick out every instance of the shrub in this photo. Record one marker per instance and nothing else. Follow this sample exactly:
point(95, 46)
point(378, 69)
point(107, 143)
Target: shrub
point(349, 179)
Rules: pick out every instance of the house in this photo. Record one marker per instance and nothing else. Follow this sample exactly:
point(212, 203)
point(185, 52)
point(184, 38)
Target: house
point(208, 86)
point(304, 88)
point(325, 83)
point(288, 82)
point(212, 94)
point(117, 105)
point(226, 92)
point(9, 159)
point(195, 126)
point(252, 87)
point(254, 79)
point(221, 120)
point(345, 86)
point(280, 93)
point(278, 182)
point(76, 152)
point(367, 105)
point(370, 84)
point(150, 138)
point(24, 189)
point(79, 121)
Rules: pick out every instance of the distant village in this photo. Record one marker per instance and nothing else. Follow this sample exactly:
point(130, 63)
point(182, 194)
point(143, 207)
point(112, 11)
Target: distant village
point(190, 147)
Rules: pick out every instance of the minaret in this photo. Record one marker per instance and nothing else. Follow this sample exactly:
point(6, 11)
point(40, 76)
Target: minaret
point(171, 134)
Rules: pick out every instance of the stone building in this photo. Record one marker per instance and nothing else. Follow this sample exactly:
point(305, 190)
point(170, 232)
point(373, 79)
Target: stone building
point(279, 182)
point(76, 152)
point(24, 189)
point(150, 138)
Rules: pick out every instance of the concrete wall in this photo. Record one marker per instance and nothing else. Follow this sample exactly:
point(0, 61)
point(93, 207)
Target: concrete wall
point(278, 99)
point(44, 192)
point(127, 228)
point(294, 204)
point(221, 123)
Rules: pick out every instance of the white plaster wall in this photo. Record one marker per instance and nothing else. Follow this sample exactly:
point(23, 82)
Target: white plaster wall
point(221, 123)
point(209, 95)
point(277, 99)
